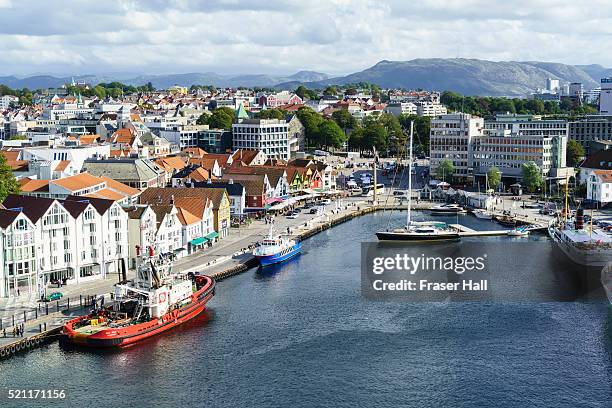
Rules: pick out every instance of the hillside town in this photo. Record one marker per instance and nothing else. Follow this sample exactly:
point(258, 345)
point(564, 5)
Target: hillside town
point(95, 172)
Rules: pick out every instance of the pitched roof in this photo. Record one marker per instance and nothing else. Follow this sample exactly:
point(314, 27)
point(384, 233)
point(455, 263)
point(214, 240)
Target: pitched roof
point(123, 136)
point(600, 160)
point(120, 187)
point(207, 163)
point(7, 217)
point(10, 155)
point(33, 207)
point(187, 218)
point(604, 175)
point(194, 152)
point(171, 163)
point(28, 185)
point(78, 181)
point(106, 193)
point(124, 169)
point(165, 195)
point(18, 165)
point(62, 165)
point(100, 204)
point(245, 155)
point(253, 183)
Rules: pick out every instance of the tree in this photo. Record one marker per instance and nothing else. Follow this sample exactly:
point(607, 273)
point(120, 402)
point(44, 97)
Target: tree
point(445, 170)
point(330, 91)
point(271, 114)
point(493, 176)
point(220, 118)
point(306, 93)
point(575, 152)
point(532, 176)
point(344, 119)
point(375, 135)
point(311, 121)
point(8, 183)
point(330, 134)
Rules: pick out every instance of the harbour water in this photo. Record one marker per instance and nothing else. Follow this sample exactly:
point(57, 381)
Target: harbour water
point(301, 335)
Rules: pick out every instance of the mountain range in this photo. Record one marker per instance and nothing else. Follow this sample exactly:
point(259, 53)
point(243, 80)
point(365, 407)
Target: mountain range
point(466, 76)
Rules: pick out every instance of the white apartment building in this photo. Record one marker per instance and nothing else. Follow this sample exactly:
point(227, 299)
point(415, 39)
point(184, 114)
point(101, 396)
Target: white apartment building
point(76, 155)
point(599, 186)
point(7, 100)
point(431, 109)
point(401, 108)
point(70, 241)
point(450, 138)
point(184, 136)
point(271, 136)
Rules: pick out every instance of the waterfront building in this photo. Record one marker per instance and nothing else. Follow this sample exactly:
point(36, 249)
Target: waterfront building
point(218, 198)
point(509, 141)
point(431, 109)
point(69, 241)
point(601, 160)
point(599, 186)
point(450, 138)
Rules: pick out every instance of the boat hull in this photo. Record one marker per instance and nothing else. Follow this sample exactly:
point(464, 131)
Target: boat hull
point(265, 260)
point(596, 258)
point(444, 212)
point(127, 336)
point(402, 236)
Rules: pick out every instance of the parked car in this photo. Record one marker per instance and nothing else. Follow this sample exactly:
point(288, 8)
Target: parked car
point(326, 201)
point(293, 215)
point(54, 296)
point(314, 210)
point(399, 193)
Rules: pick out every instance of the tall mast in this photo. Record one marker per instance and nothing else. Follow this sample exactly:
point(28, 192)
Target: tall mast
point(410, 176)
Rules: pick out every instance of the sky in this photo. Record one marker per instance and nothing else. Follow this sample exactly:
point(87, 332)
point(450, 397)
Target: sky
point(285, 36)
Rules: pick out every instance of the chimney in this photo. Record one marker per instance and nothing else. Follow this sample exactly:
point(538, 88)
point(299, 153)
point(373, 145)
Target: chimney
point(172, 199)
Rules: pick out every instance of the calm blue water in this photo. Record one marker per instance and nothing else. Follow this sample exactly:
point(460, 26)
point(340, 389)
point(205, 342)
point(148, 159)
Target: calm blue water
point(302, 336)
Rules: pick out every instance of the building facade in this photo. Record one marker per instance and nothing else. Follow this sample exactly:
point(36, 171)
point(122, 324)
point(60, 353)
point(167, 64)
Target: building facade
point(271, 136)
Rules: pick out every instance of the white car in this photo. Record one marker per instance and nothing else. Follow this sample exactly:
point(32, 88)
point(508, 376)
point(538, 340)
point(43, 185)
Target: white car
point(327, 201)
point(293, 216)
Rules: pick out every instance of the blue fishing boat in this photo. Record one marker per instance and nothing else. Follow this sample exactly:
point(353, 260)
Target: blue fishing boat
point(276, 249)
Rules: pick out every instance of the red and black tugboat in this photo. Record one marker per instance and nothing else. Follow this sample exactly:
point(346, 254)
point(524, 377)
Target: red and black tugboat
point(155, 301)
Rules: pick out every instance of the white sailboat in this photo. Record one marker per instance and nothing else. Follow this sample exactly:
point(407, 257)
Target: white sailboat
point(416, 231)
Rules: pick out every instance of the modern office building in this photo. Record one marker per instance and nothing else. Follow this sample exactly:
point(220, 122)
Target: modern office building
point(450, 138)
point(605, 97)
point(590, 128)
point(509, 141)
point(271, 136)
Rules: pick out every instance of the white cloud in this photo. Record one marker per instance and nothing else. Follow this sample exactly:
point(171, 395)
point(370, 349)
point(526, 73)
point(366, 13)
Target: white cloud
point(335, 36)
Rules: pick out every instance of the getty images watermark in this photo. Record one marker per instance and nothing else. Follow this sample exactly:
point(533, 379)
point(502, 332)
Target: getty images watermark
point(494, 270)
point(422, 265)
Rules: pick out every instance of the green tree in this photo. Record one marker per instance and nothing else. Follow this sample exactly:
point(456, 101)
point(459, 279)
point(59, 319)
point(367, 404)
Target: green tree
point(330, 134)
point(330, 91)
point(344, 119)
point(8, 183)
point(493, 176)
point(99, 91)
point(220, 118)
point(375, 135)
point(532, 176)
point(271, 114)
point(574, 153)
point(445, 170)
point(306, 93)
point(311, 121)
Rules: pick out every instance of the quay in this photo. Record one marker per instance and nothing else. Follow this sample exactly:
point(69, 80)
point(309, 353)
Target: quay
point(236, 260)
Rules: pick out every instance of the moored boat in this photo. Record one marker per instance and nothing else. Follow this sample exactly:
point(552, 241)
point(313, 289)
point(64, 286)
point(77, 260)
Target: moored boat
point(417, 231)
point(518, 232)
point(273, 250)
point(418, 234)
point(157, 300)
point(447, 209)
point(482, 214)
